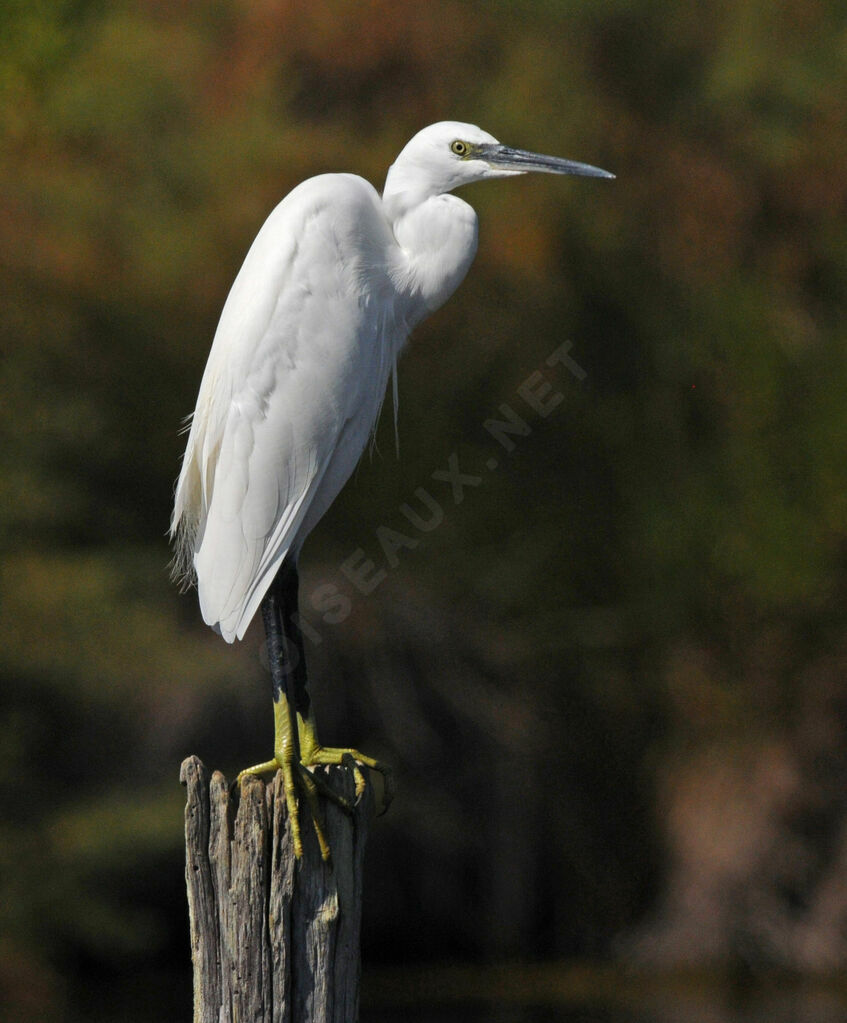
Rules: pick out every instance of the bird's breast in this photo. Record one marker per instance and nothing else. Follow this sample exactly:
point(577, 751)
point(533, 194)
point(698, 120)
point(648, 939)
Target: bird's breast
point(437, 242)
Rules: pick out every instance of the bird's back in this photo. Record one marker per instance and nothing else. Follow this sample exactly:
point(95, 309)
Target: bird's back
point(291, 391)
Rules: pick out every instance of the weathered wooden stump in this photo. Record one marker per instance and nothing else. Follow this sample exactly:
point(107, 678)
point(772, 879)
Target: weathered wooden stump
point(273, 939)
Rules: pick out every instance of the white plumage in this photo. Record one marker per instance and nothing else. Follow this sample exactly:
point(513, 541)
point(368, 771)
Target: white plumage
point(328, 293)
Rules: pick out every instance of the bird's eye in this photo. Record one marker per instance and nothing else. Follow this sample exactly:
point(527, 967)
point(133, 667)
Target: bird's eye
point(459, 148)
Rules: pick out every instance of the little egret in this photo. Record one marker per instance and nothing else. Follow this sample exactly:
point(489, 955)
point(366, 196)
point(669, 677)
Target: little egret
point(335, 281)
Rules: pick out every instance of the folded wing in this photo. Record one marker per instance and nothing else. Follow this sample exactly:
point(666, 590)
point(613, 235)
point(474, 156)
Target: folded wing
point(293, 385)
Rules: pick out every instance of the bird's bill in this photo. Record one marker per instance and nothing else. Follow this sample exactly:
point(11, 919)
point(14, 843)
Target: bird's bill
point(521, 161)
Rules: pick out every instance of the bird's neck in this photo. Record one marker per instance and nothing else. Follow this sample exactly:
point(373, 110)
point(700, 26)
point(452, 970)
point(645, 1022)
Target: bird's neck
point(436, 239)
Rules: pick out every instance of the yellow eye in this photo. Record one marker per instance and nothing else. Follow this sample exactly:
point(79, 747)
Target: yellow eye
point(459, 148)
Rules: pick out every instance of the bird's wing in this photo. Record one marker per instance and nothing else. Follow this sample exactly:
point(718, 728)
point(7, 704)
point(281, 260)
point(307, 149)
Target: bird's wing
point(299, 354)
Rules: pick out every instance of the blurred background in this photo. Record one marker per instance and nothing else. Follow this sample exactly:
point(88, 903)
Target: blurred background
point(613, 679)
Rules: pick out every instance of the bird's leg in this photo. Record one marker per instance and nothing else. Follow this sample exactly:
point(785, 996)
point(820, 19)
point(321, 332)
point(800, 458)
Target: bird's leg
point(312, 753)
point(297, 750)
point(282, 654)
point(287, 583)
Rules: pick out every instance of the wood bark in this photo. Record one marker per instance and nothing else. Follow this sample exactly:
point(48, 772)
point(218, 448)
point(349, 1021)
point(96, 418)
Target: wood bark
point(273, 939)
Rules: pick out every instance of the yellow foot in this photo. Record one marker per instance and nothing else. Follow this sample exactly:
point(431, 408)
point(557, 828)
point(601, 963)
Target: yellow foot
point(353, 758)
point(297, 776)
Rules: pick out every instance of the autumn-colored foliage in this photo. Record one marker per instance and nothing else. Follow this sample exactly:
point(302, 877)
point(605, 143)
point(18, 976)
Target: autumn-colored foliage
point(655, 575)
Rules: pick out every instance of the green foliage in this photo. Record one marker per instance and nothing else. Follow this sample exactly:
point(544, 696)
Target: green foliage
point(683, 502)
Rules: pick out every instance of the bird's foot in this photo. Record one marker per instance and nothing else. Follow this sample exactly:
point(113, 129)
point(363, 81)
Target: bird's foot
point(313, 754)
point(352, 758)
point(299, 778)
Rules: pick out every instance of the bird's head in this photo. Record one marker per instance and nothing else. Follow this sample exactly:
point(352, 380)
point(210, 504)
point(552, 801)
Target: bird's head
point(446, 155)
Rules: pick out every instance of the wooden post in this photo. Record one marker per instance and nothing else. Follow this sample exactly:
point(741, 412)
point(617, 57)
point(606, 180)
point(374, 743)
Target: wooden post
point(273, 939)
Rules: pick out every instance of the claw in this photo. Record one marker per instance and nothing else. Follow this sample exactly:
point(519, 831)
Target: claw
point(311, 789)
point(352, 757)
point(328, 792)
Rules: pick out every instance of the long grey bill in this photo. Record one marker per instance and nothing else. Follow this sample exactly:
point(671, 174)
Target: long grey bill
point(522, 160)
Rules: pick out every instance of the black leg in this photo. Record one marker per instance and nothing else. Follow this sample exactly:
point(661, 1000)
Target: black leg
point(297, 751)
point(285, 644)
point(291, 710)
point(287, 584)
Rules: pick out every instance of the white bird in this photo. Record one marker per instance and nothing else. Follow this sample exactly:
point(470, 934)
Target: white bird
point(333, 284)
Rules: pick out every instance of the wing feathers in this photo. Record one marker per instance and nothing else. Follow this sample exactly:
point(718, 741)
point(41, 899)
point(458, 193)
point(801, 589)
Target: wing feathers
point(298, 367)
